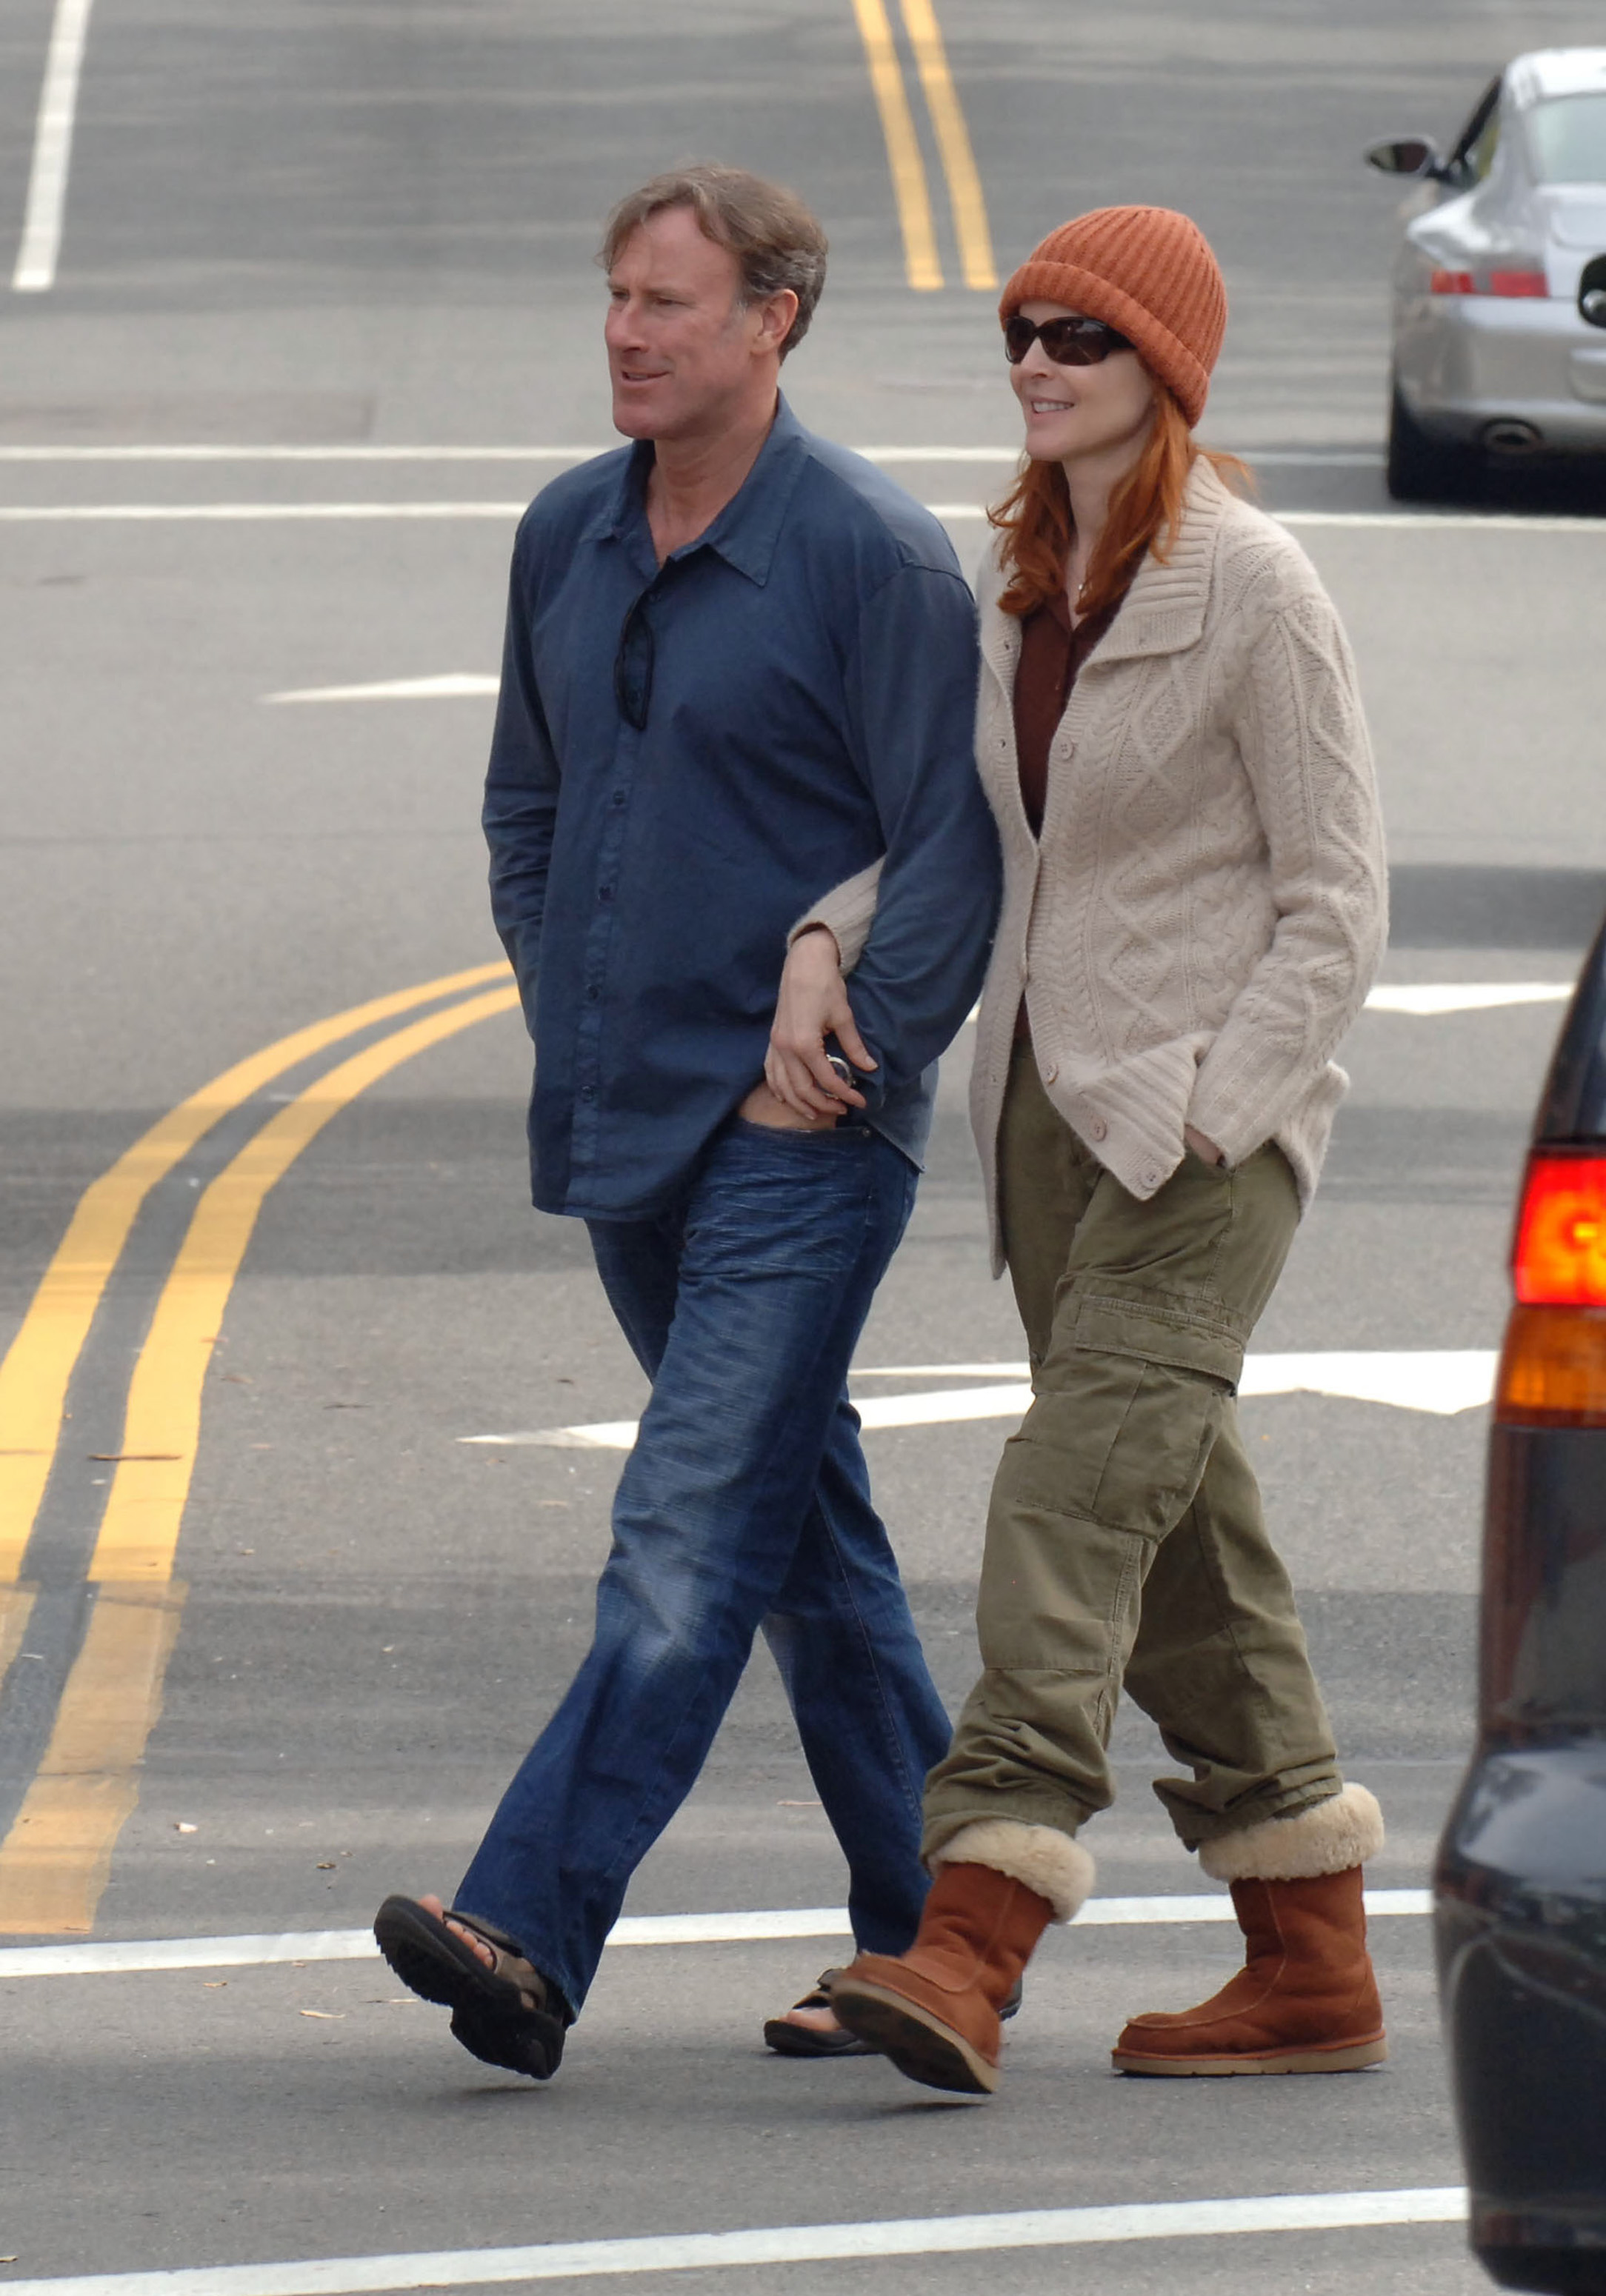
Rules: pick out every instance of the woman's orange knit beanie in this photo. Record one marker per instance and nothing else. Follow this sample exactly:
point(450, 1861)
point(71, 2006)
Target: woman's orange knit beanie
point(1147, 272)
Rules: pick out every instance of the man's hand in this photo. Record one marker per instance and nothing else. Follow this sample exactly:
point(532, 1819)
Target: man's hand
point(812, 1006)
point(1204, 1149)
point(762, 1107)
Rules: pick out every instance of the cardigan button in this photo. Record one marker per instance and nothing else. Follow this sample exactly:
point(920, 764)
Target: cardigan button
point(1050, 1073)
point(1096, 1128)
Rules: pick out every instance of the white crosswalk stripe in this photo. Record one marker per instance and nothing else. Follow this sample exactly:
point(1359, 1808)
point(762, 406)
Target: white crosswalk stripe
point(480, 2268)
point(120, 1956)
point(1440, 1379)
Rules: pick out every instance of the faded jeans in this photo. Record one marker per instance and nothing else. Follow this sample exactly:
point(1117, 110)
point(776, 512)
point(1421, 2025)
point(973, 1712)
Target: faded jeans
point(744, 1505)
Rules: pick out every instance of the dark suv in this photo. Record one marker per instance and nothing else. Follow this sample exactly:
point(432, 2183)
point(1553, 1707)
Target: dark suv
point(1520, 1888)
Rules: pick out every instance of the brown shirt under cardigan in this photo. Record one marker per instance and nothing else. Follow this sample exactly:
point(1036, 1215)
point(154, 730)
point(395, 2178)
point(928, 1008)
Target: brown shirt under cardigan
point(1052, 652)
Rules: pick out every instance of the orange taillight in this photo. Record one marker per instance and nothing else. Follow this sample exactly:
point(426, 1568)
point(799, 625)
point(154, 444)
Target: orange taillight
point(1559, 1260)
point(1552, 1368)
point(1451, 282)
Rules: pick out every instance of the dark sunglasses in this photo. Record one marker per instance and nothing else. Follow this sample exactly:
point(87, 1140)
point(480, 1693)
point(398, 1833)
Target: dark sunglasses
point(632, 666)
point(1069, 342)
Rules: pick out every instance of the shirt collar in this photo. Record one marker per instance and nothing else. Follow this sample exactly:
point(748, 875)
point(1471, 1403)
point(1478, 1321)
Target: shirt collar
point(747, 530)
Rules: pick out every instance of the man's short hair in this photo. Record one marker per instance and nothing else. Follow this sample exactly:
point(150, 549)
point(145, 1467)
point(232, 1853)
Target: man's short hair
point(776, 240)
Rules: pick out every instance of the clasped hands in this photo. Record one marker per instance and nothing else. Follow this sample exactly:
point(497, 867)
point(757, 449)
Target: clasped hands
point(801, 1092)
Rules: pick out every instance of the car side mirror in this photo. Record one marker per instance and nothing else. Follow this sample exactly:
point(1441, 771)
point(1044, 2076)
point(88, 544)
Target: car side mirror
point(1411, 155)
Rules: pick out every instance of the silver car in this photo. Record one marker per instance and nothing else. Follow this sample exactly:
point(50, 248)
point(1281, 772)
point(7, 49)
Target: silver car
point(1500, 288)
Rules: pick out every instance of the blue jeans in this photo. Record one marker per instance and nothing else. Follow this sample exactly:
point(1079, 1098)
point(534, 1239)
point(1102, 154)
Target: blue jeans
point(745, 1504)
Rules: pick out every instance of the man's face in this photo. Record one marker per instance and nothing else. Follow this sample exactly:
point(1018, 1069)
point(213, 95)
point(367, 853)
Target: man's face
point(680, 345)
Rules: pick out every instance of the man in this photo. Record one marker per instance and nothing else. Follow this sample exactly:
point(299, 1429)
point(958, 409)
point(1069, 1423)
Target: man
point(740, 673)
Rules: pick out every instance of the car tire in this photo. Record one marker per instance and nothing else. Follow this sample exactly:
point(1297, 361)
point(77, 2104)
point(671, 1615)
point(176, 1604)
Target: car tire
point(1421, 468)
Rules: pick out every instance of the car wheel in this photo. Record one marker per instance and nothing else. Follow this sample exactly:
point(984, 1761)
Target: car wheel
point(1419, 467)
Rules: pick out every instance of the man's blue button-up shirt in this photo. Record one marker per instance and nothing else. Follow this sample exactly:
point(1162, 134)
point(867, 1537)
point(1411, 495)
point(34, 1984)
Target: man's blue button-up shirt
point(806, 674)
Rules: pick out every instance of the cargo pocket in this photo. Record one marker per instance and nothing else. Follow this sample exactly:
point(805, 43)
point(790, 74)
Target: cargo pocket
point(1128, 1408)
point(1153, 1468)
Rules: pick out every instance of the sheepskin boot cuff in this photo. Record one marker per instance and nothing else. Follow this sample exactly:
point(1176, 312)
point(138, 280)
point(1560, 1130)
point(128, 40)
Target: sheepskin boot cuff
point(1045, 1859)
point(1329, 1837)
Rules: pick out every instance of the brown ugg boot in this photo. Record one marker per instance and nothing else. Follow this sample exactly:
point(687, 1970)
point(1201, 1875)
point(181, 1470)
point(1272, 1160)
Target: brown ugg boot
point(934, 2011)
point(1305, 2000)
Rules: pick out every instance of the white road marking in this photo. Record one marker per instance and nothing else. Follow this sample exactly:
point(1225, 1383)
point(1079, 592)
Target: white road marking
point(1346, 458)
point(52, 514)
point(132, 1958)
point(454, 685)
point(41, 242)
point(1491, 521)
point(1428, 1000)
point(1442, 1380)
point(943, 1371)
point(209, 454)
point(155, 453)
point(37, 513)
point(1122, 1913)
point(816, 2243)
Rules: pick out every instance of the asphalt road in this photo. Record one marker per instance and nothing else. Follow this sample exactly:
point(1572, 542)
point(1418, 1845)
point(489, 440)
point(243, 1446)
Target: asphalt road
point(302, 227)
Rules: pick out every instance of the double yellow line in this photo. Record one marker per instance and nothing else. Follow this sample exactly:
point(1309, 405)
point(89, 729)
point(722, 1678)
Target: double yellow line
point(54, 1860)
point(922, 261)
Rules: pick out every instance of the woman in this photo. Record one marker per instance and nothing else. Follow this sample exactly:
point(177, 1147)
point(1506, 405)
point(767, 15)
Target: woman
point(1171, 739)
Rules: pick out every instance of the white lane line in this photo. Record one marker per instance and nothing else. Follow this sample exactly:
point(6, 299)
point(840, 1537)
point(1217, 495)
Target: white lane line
point(943, 1371)
point(144, 513)
point(155, 453)
point(294, 1947)
point(1441, 1380)
point(1346, 458)
point(50, 513)
point(1491, 521)
point(817, 2244)
point(1122, 1913)
point(210, 454)
point(454, 685)
point(41, 242)
point(1430, 999)
point(358, 1945)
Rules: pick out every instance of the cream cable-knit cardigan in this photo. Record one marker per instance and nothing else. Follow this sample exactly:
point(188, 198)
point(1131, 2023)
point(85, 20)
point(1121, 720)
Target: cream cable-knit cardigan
point(1203, 915)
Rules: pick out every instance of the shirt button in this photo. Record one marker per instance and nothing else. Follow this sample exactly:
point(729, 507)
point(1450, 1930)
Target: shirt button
point(1096, 1128)
point(604, 892)
point(592, 993)
point(588, 1091)
point(618, 797)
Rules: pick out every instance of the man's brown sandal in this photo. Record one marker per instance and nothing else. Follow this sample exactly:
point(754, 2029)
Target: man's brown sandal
point(506, 2014)
point(790, 2040)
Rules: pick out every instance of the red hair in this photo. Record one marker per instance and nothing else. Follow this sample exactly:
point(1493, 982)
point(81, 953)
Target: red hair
point(1145, 509)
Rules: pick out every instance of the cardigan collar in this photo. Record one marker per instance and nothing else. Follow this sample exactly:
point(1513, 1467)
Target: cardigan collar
point(1164, 610)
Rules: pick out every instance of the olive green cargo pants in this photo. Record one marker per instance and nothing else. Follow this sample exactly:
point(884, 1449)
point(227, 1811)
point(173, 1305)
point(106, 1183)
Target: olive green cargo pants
point(1126, 1542)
